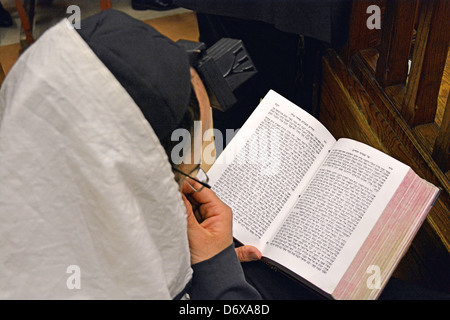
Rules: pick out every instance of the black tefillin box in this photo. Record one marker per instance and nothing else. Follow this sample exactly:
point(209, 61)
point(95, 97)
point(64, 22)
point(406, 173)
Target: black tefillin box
point(223, 67)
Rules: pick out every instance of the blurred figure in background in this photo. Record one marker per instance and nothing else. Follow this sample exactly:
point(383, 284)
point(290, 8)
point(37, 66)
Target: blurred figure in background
point(158, 5)
point(5, 18)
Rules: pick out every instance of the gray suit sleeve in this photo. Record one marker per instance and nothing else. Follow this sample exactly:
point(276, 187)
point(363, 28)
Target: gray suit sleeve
point(221, 278)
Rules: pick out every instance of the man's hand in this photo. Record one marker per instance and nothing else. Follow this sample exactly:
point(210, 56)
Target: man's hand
point(209, 223)
point(248, 253)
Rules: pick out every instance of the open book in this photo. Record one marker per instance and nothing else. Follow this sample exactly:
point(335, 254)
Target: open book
point(336, 215)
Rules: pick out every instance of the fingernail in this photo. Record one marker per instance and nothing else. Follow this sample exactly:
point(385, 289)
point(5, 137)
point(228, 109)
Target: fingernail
point(254, 256)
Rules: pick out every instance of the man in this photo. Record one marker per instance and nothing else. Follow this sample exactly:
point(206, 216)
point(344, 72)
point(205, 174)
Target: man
point(5, 18)
point(89, 203)
point(92, 205)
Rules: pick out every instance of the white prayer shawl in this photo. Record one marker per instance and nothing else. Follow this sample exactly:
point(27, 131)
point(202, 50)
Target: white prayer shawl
point(87, 196)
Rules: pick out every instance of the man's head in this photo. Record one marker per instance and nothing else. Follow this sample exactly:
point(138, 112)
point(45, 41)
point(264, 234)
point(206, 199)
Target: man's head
point(154, 71)
point(199, 103)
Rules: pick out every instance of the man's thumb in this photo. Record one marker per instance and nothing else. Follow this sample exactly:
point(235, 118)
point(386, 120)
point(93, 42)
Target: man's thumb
point(248, 253)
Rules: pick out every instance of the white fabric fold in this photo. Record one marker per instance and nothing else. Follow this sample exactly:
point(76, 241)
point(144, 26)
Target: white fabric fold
point(84, 182)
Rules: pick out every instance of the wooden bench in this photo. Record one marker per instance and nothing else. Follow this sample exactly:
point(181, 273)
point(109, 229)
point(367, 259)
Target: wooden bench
point(369, 94)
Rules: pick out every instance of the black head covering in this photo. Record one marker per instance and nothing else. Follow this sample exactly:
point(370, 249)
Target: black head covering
point(152, 68)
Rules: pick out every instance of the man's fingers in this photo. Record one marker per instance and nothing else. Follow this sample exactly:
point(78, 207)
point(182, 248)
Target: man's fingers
point(189, 210)
point(248, 253)
point(202, 197)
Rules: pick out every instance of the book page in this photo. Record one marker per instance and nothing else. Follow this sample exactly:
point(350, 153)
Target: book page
point(266, 163)
point(335, 213)
point(388, 240)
